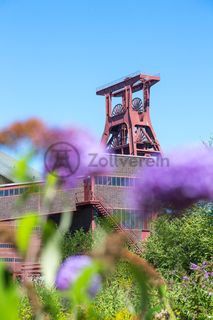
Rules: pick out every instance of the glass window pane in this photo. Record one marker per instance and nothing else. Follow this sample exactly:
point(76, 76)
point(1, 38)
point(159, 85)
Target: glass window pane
point(128, 222)
point(109, 181)
point(133, 217)
point(122, 182)
point(11, 192)
point(6, 192)
point(118, 181)
point(104, 180)
point(100, 180)
point(1, 193)
point(123, 218)
point(16, 191)
point(114, 181)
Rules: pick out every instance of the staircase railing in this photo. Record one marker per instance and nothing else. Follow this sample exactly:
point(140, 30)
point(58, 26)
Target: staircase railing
point(131, 236)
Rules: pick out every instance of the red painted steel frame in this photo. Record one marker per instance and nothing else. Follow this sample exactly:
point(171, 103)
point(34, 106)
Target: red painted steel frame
point(130, 131)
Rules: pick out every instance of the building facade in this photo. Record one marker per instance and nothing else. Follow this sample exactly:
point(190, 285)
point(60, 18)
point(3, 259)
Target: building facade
point(130, 141)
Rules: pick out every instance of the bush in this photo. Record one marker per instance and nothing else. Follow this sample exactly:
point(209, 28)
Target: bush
point(77, 243)
point(118, 293)
point(192, 296)
point(181, 248)
point(175, 242)
point(51, 302)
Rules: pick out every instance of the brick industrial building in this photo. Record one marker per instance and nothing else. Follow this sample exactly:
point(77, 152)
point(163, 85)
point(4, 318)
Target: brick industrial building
point(130, 142)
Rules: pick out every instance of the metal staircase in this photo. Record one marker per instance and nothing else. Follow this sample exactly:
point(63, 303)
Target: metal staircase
point(105, 210)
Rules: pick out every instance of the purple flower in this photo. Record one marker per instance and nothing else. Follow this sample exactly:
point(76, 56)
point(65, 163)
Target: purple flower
point(71, 269)
point(185, 278)
point(69, 155)
point(187, 179)
point(194, 266)
point(206, 275)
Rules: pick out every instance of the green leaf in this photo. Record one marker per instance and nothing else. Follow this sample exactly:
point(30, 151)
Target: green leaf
point(21, 170)
point(9, 300)
point(52, 253)
point(50, 259)
point(50, 189)
point(25, 230)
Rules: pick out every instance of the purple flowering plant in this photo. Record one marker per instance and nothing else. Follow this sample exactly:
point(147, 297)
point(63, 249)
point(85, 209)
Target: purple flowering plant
point(80, 269)
point(194, 294)
point(187, 180)
point(78, 278)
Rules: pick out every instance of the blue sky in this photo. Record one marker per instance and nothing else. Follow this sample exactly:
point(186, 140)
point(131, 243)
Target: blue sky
point(53, 55)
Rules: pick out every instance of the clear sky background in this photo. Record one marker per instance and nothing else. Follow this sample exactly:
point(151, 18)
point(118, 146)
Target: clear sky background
point(54, 53)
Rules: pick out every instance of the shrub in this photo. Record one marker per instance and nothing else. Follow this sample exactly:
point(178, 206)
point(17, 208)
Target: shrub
point(192, 296)
point(77, 243)
point(175, 242)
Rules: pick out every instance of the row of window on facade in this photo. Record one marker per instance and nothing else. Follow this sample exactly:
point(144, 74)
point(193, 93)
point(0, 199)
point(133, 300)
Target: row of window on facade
point(128, 219)
point(12, 192)
point(8, 259)
point(6, 245)
point(115, 181)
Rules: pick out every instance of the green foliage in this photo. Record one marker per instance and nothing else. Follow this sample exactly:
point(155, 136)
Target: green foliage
point(25, 230)
point(193, 295)
point(8, 295)
point(119, 293)
point(175, 242)
point(76, 243)
point(52, 304)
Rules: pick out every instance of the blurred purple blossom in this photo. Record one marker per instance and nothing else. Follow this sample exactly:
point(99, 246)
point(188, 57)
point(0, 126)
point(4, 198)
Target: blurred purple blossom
point(186, 180)
point(69, 154)
point(71, 269)
point(194, 266)
point(185, 278)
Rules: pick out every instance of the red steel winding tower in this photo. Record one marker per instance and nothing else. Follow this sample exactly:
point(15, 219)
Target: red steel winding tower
point(128, 128)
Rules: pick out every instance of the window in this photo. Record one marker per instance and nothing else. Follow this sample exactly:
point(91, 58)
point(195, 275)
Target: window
point(16, 191)
point(6, 193)
point(7, 259)
point(127, 182)
point(6, 245)
point(122, 182)
point(129, 218)
point(104, 180)
point(118, 181)
point(11, 192)
point(110, 181)
point(100, 180)
point(114, 181)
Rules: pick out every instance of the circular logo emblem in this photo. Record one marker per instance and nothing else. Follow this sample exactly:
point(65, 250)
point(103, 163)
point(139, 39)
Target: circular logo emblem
point(62, 159)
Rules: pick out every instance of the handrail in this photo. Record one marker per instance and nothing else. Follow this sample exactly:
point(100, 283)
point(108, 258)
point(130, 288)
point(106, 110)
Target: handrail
point(109, 211)
point(107, 205)
point(128, 234)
